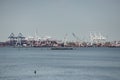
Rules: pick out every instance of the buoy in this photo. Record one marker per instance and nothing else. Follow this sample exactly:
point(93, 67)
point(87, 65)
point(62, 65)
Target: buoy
point(35, 72)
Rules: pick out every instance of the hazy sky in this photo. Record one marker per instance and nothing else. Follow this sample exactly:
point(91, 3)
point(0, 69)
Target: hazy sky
point(55, 18)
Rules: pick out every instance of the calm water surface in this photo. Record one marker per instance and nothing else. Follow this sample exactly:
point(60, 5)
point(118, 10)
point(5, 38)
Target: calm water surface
point(78, 64)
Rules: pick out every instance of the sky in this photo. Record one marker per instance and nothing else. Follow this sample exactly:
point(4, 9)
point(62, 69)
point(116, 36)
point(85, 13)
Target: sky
point(56, 18)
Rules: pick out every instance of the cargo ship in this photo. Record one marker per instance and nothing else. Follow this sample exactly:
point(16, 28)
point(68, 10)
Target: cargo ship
point(62, 48)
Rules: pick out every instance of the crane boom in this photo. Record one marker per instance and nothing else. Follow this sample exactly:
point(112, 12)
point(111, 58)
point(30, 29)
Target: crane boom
point(77, 38)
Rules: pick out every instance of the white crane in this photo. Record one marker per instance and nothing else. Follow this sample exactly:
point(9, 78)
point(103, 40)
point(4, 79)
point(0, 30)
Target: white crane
point(97, 37)
point(65, 39)
point(77, 38)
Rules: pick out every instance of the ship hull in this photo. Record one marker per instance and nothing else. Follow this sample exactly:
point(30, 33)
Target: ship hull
point(62, 48)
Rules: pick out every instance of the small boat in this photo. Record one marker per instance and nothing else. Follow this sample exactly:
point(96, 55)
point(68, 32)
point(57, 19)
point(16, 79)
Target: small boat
point(62, 48)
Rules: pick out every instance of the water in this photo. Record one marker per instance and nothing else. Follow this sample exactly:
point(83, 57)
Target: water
point(78, 64)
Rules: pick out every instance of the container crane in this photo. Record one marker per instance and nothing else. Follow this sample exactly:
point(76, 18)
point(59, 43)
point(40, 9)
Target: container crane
point(77, 38)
